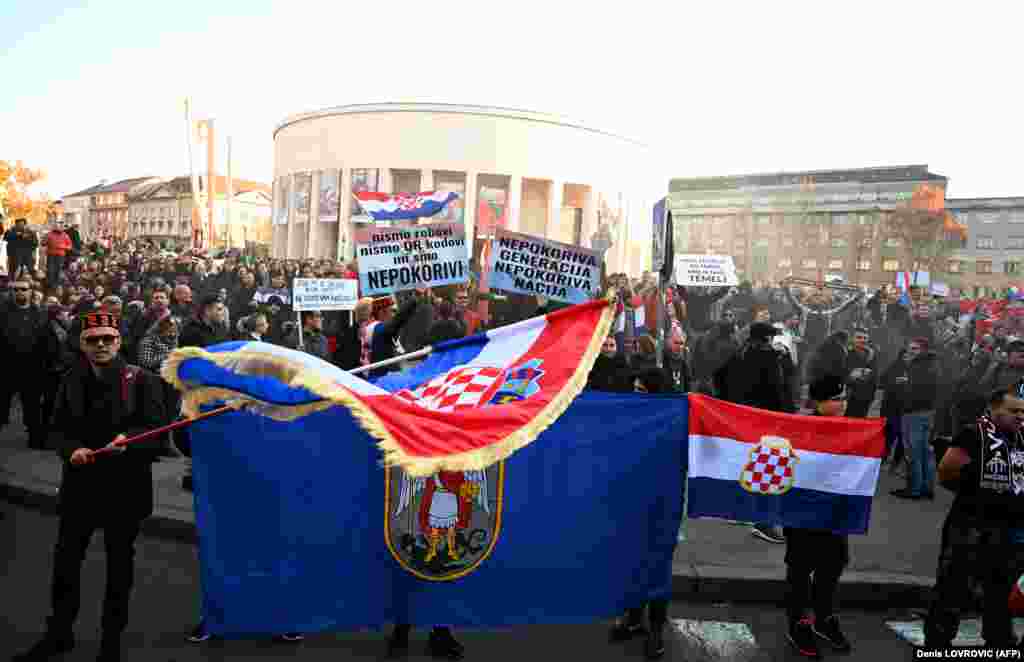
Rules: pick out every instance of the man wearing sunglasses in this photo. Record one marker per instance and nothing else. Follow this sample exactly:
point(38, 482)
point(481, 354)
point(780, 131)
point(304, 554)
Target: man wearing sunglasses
point(102, 400)
point(22, 328)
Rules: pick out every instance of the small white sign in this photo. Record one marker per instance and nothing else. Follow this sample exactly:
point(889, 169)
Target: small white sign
point(325, 294)
point(940, 290)
point(706, 270)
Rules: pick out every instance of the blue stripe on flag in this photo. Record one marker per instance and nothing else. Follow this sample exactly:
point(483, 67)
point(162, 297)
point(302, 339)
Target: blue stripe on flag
point(446, 355)
point(799, 508)
point(268, 389)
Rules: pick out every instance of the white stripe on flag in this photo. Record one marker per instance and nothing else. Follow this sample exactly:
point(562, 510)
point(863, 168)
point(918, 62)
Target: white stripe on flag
point(507, 344)
point(724, 459)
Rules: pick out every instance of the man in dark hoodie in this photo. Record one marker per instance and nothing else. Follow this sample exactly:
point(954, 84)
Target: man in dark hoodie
point(698, 305)
point(756, 377)
point(918, 411)
point(22, 351)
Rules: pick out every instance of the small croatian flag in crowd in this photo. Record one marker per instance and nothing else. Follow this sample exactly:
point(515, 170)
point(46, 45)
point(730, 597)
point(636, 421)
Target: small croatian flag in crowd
point(753, 465)
point(403, 206)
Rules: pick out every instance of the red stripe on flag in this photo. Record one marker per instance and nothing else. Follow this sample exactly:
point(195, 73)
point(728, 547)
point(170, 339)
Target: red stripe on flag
point(427, 434)
point(838, 436)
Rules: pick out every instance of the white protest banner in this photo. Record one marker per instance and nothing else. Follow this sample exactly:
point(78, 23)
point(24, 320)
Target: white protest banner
point(706, 270)
point(325, 294)
point(401, 257)
point(531, 265)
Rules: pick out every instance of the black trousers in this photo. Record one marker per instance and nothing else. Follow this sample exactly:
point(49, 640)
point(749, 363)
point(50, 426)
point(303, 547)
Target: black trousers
point(29, 391)
point(51, 384)
point(73, 538)
point(657, 611)
point(979, 551)
point(54, 268)
point(814, 562)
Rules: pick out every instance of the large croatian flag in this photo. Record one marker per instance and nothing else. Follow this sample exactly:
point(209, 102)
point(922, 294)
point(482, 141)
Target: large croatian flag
point(473, 402)
point(402, 206)
point(754, 465)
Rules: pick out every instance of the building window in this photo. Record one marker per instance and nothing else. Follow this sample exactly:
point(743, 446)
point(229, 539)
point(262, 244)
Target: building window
point(809, 263)
point(718, 242)
point(891, 265)
point(986, 243)
point(838, 242)
point(835, 264)
point(984, 266)
point(867, 242)
point(840, 219)
point(760, 261)
point(893, 242)
point(989, 217)
point(1017, 216)
point(866, 219)
point(785, 263)
point(453, 182)
point(955, 266)
point(864, 265)
point(762, 243)
point(492, 210)
point(363, 179)
point(764, 221)
point(1011, 268)
point(1015, 242)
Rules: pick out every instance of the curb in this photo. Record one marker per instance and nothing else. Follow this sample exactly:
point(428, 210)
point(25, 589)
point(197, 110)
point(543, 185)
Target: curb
point(695, 584)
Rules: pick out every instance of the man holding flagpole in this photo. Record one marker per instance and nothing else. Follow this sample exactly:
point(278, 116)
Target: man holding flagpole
point(102, 400)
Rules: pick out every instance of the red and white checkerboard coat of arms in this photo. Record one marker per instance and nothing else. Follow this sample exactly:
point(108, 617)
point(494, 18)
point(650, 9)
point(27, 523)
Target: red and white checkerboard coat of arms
point(770, 469)
point(460, 388)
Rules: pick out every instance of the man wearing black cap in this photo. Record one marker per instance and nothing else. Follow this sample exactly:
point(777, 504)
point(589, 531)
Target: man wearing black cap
point(816, 559)
point(102, 401)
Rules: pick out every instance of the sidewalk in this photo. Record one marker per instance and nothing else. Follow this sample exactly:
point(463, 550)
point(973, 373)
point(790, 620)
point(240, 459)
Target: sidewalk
point(892, 566)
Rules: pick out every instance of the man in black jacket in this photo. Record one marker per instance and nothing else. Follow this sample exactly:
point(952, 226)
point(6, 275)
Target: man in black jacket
point(383, 334)
point(611, 372)
point(101, 402)
point(207, 327)
point(921, 385)
point(21, 245)
point(22, 338)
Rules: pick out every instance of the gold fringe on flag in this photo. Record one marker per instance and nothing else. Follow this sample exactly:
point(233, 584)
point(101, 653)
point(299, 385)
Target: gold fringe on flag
point(296, 375)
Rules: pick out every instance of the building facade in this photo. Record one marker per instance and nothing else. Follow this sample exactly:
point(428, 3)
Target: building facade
point(162, 211)
point(813, 225)
point(108, 208)
point(992, 257)
point(522, 171)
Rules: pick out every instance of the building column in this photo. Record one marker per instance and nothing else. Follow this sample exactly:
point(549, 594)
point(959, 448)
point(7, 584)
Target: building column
point(555, 194)
point(386, 181)
point(470, 211)
point(426, 180)
point(515, 201)
point(314, 210)
point(290, 226)
point(345, 217)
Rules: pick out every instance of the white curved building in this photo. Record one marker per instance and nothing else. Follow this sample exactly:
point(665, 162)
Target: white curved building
point(528, 172)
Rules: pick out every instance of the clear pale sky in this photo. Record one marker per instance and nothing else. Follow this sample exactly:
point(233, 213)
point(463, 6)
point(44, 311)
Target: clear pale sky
point(93, 89)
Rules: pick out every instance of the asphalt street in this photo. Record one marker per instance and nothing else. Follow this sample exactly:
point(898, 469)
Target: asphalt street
point(166, 597)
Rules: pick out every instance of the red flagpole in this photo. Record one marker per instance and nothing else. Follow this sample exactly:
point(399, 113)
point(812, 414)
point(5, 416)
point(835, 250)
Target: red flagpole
point(162, 430)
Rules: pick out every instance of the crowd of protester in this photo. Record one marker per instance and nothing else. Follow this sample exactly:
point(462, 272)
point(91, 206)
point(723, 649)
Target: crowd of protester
point(934, 363)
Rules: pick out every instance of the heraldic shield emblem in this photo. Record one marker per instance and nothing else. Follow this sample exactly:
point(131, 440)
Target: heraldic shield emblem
point(770, 469)
point(443, 527)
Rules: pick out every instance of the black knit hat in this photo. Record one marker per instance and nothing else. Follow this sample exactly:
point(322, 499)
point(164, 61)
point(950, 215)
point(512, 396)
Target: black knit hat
point(825, 388)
